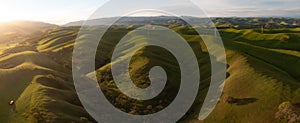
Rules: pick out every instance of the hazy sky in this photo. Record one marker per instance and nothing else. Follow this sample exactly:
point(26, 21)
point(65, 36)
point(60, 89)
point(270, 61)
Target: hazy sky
point(63, 11)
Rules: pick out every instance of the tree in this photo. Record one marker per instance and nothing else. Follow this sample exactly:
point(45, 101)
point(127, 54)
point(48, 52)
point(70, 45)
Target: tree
point(288, 112)
point(230, 100)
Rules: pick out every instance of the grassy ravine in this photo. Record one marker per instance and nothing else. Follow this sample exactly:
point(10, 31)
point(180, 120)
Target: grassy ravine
point(141, 63)
point(260, 73)
point(36, 75)
point(262, 68)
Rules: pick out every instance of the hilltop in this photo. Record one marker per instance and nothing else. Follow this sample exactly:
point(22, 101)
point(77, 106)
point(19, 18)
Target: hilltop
point(262, 74)
point(221, 22)
point(22, 28)
point(15, 32)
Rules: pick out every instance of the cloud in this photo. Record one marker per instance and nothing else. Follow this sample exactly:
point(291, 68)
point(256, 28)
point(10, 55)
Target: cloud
point(213, 8)
point(246, 8)
point(256, 12)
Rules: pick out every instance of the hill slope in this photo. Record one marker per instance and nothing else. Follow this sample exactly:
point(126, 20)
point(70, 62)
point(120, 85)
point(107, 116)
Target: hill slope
point(262, 73)
point(39, 84)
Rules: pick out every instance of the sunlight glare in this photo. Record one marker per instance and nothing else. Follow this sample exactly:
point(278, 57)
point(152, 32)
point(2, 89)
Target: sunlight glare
point(7, 13)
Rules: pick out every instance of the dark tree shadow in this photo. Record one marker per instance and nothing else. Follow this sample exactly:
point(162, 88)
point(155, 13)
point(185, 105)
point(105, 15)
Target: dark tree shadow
point(14, 108)
point(297, 105)
point(245, 101)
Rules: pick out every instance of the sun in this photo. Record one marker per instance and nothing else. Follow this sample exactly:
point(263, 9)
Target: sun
point(8, 13)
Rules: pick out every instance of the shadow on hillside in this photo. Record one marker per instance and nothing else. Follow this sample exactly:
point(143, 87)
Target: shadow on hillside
point(245, 101)
point(297, 105)
point(14, 108)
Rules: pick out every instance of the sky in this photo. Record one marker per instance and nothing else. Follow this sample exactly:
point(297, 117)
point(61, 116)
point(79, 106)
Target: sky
point(64, 11)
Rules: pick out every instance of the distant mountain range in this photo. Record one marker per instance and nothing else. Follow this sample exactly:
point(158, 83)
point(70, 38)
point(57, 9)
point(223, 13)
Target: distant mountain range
point(17, 31)
point(24, 26)
point(242, 22)
point(124, 21)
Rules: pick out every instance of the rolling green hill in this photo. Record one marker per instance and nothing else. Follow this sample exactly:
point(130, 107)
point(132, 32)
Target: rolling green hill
point(263, 71)
point(258, 72)
point(39, 83)
point(12, 33)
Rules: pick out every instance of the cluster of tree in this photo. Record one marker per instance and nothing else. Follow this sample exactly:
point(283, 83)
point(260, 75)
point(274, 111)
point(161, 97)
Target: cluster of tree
point(220, 22)
point(289, 112)
point(257, 22)
point(123, 102)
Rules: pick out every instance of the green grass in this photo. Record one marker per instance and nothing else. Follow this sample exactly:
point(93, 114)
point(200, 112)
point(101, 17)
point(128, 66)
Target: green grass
point(8, 83)
point(267, 75)
point(264, 67)
point(36, 58)
point(57, 40)
point(48, 99)
point(253, 78)
point(287, 39)
point(140, 64)
point(39, 82)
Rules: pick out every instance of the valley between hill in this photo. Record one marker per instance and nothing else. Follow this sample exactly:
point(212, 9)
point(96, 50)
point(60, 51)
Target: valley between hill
point(263, 71)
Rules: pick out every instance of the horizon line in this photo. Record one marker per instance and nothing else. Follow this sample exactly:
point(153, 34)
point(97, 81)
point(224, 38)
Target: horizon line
point(42, 21)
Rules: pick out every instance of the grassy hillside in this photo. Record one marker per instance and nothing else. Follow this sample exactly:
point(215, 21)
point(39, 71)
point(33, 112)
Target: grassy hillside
point(12, 33)
point(140, 64)
point(39, 82)
point(262, 73)
point(260, 78)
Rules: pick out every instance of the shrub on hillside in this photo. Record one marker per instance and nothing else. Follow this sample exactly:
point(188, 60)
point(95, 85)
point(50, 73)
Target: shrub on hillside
point(288, 112)
point(230, 100)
